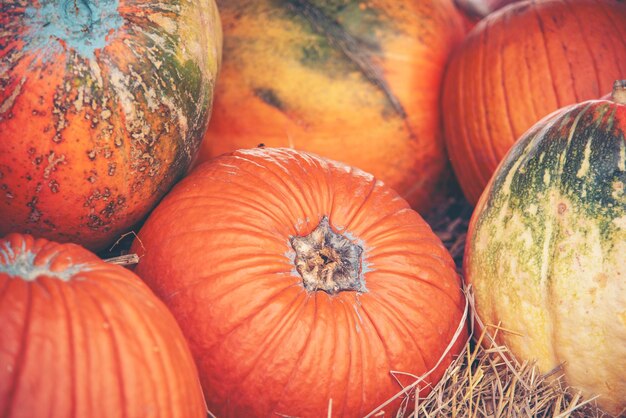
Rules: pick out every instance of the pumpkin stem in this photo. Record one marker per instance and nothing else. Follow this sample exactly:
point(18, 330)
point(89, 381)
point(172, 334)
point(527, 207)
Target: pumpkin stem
point(328, 261)
point(619, 92)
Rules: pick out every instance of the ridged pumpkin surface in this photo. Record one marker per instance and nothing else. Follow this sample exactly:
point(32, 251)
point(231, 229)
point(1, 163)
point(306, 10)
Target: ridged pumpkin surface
point(546, 252)
point(103, 105)
point(84, 338)
point(354, 81)
point(220, 251)
point(520, 64)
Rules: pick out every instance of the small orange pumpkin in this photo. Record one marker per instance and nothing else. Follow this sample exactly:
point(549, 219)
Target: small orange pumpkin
point(84, 338)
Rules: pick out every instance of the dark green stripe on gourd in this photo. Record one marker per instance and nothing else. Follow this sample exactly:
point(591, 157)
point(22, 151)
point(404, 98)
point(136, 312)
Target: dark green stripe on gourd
point(341, 38)
point(564, 177)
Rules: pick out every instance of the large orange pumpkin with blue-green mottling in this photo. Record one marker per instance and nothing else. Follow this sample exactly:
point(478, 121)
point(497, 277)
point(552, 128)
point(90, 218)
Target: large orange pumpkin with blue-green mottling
point(103, 104)
point(353, 80)
point(546, 251)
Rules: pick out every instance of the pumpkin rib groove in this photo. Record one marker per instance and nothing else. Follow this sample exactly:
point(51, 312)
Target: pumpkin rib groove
point(346, 379)
point(305, 345)
point(468, 114)
point(195, 284)
point(301, 167)
point(232, 199)
point(395, 324)
point(411, 278)
point(507, 103)
point(527, 62)
point(228, 273)
point(398, 249)
point(70, 344)
point(571, 76)
point(550, 73)
point(212, 230)
point(588, 48)
point(304, 182)
point(482, 87)
point(247, 318)
point(425, 317)
point(18, 367)
point(364, 229)
point(617, 28)
point(358, 347)
point(377, 332)
point(147, 328)
point(384, 236)
point(283, 197)
point(357, 210)
point(328, 180)
point(115, 351)
point(289, 194)
point(282, 327)
point(84, 326)
point(403, 328)
point(461, 161)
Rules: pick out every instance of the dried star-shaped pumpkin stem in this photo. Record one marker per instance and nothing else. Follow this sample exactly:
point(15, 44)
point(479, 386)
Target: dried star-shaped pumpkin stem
point(328, 261)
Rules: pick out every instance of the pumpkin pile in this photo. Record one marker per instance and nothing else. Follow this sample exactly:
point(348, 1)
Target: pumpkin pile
point(285, 175)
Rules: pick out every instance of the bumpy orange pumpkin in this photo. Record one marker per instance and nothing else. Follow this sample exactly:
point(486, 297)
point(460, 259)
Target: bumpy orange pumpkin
point(84, 338)
point(518, 65)
point(355, 81)
point(103, 105)
point(298, 280)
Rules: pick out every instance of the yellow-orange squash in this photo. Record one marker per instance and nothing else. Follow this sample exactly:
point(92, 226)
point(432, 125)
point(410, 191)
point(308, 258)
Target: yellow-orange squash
point(298, 281)
point(518, 65)
point(103, 104)
point(355, 81)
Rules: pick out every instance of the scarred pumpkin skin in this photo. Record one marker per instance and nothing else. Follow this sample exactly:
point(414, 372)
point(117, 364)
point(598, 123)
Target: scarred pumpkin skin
point(520, 64)
point(103, 105)
point(546, 249)
point(222, 251)
point(84, 338)
point(358, 82)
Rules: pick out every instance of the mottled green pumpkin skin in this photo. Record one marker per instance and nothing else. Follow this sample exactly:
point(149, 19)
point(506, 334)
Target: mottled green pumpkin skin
point(546, 253)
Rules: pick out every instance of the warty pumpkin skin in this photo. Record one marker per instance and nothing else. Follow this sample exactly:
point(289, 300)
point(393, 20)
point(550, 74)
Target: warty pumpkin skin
point(546, 249)
point(84, 338)
point(275, 322)
point(520, 64)
point(358, 82)
point(103, 105)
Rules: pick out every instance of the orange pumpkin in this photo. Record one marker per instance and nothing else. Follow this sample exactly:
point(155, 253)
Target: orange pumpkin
point(354, 81)
point(298, 281)
point(84, 338)
point(518, 65)
point(103, 105)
